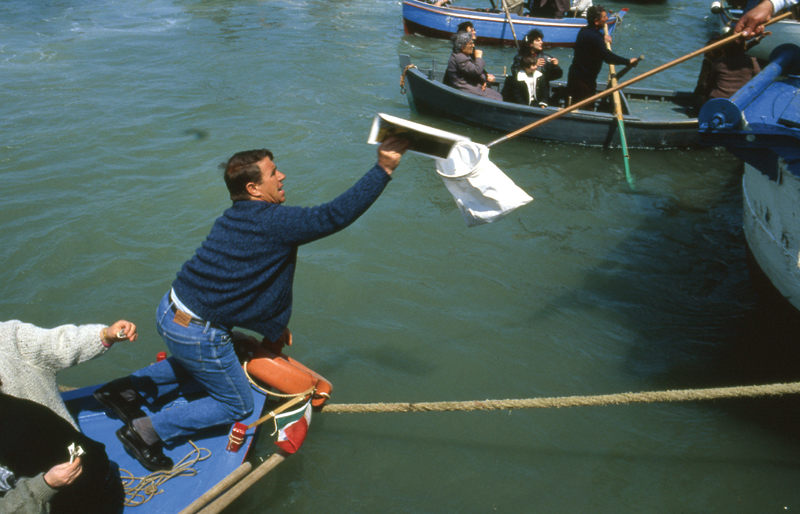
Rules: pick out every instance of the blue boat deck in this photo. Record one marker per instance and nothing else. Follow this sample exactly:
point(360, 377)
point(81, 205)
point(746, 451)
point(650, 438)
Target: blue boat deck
point(180, 491)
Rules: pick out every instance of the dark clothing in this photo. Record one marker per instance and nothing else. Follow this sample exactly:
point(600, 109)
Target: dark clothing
point(467, 74)
point(548, 8)
point(33, 439)
point(730, 73)
point(242, 274)
point(516, 90)
point(589, 55)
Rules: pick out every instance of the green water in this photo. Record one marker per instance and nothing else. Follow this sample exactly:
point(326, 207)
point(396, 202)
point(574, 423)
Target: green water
point(114, 115)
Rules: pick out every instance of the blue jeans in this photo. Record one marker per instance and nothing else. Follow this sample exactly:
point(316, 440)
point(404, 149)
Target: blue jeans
point(203, 354)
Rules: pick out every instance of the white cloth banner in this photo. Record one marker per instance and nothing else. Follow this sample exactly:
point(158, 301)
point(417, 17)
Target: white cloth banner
point(482, 192)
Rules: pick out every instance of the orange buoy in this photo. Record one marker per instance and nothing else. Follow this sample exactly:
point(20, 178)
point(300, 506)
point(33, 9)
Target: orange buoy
point(285, 374)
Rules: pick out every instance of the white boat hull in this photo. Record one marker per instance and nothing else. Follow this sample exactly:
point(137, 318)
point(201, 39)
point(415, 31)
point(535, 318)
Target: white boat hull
point(772, 227)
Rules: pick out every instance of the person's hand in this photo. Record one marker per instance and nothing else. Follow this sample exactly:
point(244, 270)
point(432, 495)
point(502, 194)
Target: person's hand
point(276, 346)
point(608, 39)
point(63, 474)
point(752, 22)
point(541, 62)
point(634, 62)
point(489, 78)
point(390, 152)
point(119, 331)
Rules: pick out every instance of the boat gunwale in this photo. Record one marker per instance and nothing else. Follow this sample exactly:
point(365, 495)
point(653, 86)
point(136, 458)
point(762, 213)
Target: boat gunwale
point(583, 115)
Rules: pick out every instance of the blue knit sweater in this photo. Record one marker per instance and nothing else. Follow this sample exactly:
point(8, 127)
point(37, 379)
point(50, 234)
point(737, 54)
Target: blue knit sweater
point(242, 274)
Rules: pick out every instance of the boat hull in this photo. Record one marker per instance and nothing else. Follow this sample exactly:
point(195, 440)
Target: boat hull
point(491, 27)
point(772, 227)
point(431, 97)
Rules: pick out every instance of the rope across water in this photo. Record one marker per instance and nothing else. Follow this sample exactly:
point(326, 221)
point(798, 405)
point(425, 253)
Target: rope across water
point(571, 401)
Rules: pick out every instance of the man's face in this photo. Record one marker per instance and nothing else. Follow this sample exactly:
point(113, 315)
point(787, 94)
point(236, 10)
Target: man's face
point(271, 186)
point(602, 20)
point(538, 44)
point(471, 31)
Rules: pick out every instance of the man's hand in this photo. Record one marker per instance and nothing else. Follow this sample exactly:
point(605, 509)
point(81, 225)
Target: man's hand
point(390, 152)
point(276, 346)
point(752, 22)
point(63, 474)
point(634, 62)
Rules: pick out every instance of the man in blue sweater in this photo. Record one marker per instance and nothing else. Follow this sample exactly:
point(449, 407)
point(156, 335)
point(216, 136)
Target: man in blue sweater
point(589, 55)
point(241, 276)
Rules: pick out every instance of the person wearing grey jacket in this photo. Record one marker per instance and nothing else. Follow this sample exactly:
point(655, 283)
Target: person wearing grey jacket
point(465, 69)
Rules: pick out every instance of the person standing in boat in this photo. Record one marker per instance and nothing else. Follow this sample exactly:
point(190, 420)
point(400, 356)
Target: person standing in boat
point(465, 69)
point(531, 86)
point(590, 53)
point(241, 276)
point(556, 9)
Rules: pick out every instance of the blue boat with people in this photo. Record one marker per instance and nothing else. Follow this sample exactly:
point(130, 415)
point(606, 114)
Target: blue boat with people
point(760, 124)
point(492, 27)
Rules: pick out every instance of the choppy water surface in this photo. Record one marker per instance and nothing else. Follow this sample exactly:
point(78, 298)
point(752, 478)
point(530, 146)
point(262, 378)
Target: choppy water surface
point(114, 115)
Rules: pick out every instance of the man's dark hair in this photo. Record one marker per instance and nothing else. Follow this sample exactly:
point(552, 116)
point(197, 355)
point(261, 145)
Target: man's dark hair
point(527, 61)
point(241, 169)
point(594, 13)
point(462, 27)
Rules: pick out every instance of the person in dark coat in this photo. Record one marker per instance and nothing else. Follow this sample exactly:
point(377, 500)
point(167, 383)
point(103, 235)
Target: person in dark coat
point(548, 8)
point(34, 441)
point(465, 70)
point(546, 68)
point(589, 55)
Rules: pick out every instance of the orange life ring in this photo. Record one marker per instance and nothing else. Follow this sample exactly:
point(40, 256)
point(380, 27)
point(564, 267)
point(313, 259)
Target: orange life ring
point(285, 374)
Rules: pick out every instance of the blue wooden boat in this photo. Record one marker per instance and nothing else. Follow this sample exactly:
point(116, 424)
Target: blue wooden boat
point(760, 124)
point(654, 118)
point(491, 26)
point(178, 492)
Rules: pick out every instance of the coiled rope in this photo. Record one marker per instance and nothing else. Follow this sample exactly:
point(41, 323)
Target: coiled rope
point(572, 401)
point(140, 490)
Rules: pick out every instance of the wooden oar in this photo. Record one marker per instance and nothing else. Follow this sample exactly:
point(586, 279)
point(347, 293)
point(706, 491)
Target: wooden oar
point(643, 76)
point(508, 18)
point(218, 489)
point(234, 492)
point(612, 78)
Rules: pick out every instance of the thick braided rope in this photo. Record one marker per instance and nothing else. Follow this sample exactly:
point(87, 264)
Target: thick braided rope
point(572, 401)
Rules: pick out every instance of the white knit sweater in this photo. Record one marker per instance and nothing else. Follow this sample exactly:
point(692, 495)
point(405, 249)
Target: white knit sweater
point(30, 358)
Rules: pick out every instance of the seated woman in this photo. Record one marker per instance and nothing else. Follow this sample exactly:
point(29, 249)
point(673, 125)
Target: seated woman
point(545, 69)
point(465, 71)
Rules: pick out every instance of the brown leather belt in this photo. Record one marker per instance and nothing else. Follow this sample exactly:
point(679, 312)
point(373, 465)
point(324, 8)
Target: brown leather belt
point(184, 319)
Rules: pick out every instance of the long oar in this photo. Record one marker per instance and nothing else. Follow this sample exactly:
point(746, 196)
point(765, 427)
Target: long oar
point(643, 76)
point(508, 18)
point(612, 74)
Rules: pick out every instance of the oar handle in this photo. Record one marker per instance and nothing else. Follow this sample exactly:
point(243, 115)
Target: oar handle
point(643, 76)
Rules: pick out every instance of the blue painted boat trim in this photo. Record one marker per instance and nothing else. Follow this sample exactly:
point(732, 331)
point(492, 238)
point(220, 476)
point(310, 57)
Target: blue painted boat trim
point(760, 124)
point(491, 27)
